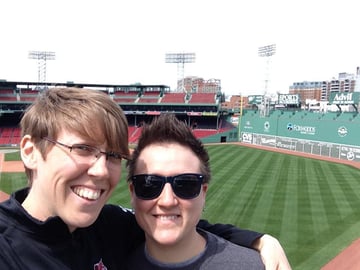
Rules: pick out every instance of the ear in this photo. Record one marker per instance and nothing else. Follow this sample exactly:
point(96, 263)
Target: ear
point(28, 152)
point(204, 188)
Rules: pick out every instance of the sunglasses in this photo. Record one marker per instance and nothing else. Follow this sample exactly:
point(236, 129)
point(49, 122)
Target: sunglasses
point(150, 186)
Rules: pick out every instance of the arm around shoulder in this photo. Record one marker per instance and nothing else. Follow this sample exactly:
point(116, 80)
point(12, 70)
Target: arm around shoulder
point(231, 233)
point(272, 253)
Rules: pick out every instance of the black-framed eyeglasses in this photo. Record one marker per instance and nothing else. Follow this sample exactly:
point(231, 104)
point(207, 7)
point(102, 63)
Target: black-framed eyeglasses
point(88, 153)
point(150, 186)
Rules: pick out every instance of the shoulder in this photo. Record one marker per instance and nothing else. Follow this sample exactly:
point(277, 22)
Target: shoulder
point(116, 212)
point(115, 216)
point(120, 224)
point(221, 251)
point(8, 257)
point(138, 260)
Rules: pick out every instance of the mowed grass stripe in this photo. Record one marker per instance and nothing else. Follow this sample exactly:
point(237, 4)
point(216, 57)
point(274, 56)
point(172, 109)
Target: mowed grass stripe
point(280, 178)
point(305, 189)
point(348, 191)
point(227, 179)
point(267, 168)
point(291, 207)
point(251, 191)
point(327, 197)
point(312, 219)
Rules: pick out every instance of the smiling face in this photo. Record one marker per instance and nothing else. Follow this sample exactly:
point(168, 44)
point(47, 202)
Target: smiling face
point(168, 220)
point(65, 187)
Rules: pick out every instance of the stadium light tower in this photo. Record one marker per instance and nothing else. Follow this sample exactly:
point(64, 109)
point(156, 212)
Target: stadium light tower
point(267, 52)
point(41, 57)
point(180, 59)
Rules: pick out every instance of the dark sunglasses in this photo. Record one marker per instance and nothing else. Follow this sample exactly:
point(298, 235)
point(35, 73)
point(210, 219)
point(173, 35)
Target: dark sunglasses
point(150, 186)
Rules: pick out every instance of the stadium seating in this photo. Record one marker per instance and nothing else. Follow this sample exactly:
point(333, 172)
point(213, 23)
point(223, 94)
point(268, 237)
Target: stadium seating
point(134, 133)
point(8, 98)
point(122, 97)
point(202, 133)
point(7, 95)
point(173, 98)
point(149, 97)
point(203, 98)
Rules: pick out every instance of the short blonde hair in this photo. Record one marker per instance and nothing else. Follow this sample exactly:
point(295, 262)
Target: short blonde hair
point(91, 114)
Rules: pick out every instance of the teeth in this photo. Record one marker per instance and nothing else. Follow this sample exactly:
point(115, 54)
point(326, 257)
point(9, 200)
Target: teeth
point(86, 193)
point(167, 217)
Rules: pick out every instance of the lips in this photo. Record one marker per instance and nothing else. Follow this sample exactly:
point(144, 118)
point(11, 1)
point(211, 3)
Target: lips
point(87, 193)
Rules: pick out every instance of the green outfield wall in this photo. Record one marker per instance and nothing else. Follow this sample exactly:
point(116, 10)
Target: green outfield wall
point(332, 134)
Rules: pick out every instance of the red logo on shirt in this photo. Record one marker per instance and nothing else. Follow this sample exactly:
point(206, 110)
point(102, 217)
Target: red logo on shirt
point(100, 266)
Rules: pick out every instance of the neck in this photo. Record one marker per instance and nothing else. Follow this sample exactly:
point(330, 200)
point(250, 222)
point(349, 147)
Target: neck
point(178, 252)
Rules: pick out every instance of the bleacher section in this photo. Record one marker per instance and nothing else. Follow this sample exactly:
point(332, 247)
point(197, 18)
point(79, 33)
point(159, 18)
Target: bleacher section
point(7, 95)
point(12, 135)
point(9, 135)
point(149, 97)
point(122, 97)
point(203, 133)
point(134, 134)
point(173, 98)
point(28, 95)
point(140, 104)
point(203, 98)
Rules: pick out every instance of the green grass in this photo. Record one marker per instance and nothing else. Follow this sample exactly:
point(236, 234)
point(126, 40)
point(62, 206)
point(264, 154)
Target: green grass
point(14, 156)
point(311, 206)
point(12, 181)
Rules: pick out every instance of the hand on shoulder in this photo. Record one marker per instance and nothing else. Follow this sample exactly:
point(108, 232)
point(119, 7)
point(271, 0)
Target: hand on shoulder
point(272, 253)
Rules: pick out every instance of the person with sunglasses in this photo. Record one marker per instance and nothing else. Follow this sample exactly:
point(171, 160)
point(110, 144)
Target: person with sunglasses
point(168, 177)
point(73, 143)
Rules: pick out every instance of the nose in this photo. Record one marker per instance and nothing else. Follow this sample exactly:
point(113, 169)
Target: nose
point(167, 196)
point(99, 167)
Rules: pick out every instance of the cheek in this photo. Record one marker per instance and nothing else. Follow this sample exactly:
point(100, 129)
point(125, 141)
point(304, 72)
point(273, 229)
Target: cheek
point(142, 207)
point(115, 176)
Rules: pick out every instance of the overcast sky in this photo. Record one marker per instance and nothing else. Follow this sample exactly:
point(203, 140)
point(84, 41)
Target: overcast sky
point(123, 42)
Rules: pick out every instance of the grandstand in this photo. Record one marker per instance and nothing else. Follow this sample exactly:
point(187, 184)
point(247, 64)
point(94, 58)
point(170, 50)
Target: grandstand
point(140, 103)
point(333, 134)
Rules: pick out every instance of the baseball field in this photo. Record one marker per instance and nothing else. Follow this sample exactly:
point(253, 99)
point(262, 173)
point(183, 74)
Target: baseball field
point(312, 206)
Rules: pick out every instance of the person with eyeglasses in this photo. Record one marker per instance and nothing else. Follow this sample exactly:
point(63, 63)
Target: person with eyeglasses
point(73, 143)
point(168, 177)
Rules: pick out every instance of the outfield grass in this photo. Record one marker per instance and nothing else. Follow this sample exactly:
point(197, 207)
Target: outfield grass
point(311, 206)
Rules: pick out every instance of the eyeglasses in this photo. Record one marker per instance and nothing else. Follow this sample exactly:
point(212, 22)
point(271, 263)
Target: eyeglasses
point(87, 153)
point(150, 186)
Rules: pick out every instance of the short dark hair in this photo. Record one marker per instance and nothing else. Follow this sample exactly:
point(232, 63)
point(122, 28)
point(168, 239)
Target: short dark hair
point(166, 128)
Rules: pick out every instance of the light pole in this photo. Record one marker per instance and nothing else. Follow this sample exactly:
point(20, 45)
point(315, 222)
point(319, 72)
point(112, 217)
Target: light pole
point(41, 57)
point(267, 52)
point(180, 59)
